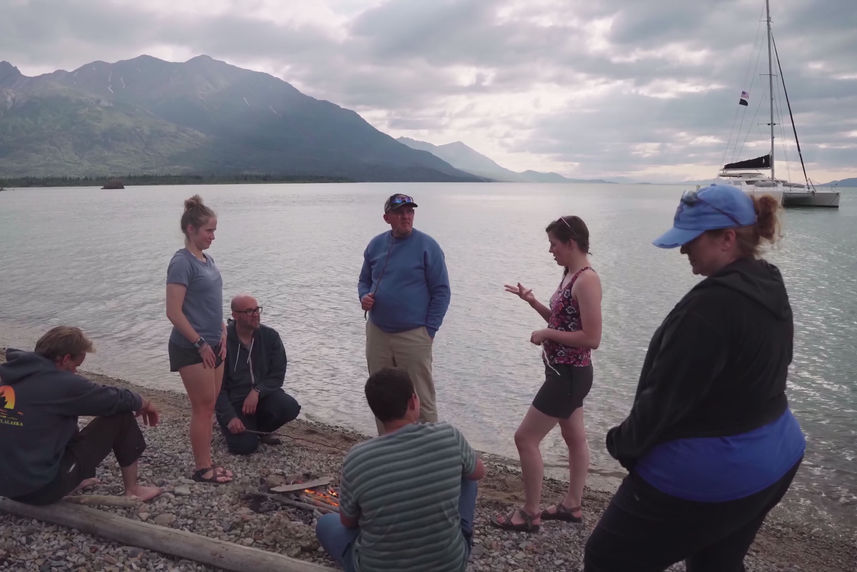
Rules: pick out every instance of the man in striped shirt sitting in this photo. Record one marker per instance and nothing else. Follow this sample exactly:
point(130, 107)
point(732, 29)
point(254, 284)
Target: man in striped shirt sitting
point(407, 497)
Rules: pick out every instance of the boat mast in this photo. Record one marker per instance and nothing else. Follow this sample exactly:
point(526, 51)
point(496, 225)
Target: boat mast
point(770, 85)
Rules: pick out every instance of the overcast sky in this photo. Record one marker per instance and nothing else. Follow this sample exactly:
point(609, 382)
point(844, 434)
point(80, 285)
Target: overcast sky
point(643, 89)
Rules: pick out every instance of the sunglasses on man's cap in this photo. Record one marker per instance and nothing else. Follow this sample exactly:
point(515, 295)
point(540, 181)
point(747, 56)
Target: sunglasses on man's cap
point(398, 200)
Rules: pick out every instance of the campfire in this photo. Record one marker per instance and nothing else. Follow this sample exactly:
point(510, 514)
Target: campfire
point(327, 500)
point(316, 495)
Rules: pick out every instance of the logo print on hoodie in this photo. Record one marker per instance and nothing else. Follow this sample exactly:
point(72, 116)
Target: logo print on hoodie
point(8, 415)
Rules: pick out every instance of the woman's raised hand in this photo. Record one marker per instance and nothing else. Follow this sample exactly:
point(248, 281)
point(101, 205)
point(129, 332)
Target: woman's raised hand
point(525, 294)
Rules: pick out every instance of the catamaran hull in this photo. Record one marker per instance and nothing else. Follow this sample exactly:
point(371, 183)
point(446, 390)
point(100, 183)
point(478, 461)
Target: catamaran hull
point(809, 199)
point(755, 188)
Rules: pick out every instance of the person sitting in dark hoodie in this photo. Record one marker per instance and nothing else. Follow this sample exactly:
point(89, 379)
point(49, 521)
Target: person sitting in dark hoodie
point(43, 454)
point(252, 403)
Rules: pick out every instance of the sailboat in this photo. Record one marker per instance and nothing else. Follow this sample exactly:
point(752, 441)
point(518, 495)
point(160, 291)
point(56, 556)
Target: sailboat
point(750, 174)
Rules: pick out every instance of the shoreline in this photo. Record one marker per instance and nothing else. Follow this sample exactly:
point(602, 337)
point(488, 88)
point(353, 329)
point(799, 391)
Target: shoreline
point(233, 512)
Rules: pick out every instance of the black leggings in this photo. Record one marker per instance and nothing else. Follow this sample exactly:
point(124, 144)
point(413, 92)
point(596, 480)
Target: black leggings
point(644, 529)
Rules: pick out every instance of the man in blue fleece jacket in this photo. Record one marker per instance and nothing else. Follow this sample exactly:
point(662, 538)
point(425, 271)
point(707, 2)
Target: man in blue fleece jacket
point(404, 287)
point(43, 455)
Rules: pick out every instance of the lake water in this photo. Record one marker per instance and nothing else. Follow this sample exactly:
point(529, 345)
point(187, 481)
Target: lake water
point(97, 259)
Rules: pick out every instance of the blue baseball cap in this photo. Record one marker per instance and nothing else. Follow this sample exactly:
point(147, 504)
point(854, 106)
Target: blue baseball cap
point(709, 208)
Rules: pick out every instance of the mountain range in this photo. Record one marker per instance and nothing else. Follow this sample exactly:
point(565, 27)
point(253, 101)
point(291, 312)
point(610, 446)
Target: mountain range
point(203, 116)
point(468, 159)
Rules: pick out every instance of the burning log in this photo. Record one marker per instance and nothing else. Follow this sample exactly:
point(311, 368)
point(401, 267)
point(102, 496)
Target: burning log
point(295, 487)
point(299, 504)
point(322, 505)
point(327, 499)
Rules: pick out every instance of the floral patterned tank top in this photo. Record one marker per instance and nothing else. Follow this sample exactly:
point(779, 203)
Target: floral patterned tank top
point(565, 317)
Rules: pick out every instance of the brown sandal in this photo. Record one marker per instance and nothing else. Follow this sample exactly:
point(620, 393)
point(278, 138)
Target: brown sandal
point(219, 475)
point(563, 513)
point(505, 522)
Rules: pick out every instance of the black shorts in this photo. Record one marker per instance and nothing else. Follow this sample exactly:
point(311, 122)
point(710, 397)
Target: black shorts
point(181, 356)
point(563, 391)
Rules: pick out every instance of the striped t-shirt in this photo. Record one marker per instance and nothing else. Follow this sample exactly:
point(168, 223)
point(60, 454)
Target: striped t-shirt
point(404, 488)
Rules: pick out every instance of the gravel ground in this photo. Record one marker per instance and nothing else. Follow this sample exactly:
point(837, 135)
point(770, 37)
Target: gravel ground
point(240, 513)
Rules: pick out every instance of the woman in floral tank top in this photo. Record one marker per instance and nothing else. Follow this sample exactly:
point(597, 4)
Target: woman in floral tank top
point(573, 331)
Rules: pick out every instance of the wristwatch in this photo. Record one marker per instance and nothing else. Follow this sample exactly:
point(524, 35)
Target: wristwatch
point(199, 343)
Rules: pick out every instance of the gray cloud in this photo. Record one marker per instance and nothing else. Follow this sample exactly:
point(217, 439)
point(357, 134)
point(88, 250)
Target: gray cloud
point(609, 88)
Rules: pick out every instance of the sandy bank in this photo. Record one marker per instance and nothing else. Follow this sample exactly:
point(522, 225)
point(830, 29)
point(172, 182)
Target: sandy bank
point(232, 512)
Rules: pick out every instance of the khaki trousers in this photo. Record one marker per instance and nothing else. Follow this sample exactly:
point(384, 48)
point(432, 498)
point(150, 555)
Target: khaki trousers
point(411, 351)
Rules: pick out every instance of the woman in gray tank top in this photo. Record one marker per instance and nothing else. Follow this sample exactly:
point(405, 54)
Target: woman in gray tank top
point(197, 344)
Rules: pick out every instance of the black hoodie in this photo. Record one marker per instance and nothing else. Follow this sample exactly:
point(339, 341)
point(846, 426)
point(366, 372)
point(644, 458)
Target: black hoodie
point(268, 373)
point(39, 406)
point(716, 366)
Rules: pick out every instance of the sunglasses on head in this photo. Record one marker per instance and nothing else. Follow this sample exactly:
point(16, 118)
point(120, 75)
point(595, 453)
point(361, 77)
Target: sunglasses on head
point(691, 198)
point(400, 200)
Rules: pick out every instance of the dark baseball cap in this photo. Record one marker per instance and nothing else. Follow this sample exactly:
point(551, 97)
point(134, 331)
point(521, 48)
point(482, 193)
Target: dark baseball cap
point(398, 200)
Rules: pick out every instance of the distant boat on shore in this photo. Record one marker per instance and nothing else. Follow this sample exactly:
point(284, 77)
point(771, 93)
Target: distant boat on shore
point(113, 184)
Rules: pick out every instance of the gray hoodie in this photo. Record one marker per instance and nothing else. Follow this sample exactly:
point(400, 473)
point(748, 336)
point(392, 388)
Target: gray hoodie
point(39, 406)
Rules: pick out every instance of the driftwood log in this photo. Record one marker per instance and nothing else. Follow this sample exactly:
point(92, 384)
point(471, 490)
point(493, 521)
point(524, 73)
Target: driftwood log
point(219, 553)
point(103, 500)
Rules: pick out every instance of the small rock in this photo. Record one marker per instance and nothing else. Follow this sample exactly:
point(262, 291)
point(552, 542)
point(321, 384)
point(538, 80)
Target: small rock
point(181, 491)
point(274, 481)
point(165, 519)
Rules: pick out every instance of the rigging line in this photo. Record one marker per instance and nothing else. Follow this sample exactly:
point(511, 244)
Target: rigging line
point(750, 71)
point(754, 120)
point(734, 150)
point(791, 117)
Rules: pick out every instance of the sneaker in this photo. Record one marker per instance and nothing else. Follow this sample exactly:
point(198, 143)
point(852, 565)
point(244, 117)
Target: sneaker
point(270, 439)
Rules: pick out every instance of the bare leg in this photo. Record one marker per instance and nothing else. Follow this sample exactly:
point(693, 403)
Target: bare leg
point(529, 435)
point(133, 488)
point(202, 386)
point(574, 434)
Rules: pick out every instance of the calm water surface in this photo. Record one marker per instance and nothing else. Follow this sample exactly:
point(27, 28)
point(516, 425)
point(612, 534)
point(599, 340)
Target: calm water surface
point(98, 259)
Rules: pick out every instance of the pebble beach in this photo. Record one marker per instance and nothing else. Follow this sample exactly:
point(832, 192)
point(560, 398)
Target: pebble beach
point(245, 512)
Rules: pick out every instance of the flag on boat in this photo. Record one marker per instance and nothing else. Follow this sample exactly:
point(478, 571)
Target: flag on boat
point(745, 98)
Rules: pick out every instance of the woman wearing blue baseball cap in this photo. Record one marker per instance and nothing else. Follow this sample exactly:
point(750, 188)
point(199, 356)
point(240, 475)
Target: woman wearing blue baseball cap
point(710, 443)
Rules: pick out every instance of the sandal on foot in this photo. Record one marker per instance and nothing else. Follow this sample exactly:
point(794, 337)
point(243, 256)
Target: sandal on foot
point(505, 522)
point(562, 512)
point(218, 476)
